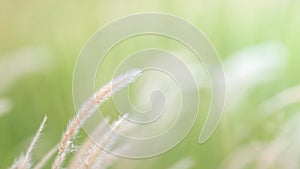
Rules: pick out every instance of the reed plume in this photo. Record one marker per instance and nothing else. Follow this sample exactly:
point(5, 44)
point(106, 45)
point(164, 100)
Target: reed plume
point(88, 109)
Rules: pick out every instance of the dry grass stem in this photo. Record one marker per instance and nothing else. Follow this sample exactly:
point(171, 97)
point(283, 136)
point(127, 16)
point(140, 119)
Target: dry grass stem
point(79, 156)
point(46, 158)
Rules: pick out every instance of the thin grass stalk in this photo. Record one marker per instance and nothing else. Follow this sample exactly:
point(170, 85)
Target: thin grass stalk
point(24, 161)
point(95, 154)
point(46, 158)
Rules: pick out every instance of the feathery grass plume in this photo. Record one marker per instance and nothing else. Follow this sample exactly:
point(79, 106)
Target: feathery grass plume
point(84, 147)
point(88, 109)
point(17, 162)
point(24, 161)
point(95, 155)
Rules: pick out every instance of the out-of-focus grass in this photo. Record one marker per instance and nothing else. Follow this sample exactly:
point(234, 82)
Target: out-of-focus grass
point(64, 26)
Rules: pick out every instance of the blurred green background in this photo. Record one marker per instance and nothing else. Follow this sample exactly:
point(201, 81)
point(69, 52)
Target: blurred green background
point(55, 31)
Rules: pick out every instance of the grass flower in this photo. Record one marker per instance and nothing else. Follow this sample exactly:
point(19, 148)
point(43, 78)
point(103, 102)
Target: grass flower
point(88, 108)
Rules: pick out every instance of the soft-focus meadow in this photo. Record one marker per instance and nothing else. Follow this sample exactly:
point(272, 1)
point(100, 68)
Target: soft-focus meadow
point(258, 43)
